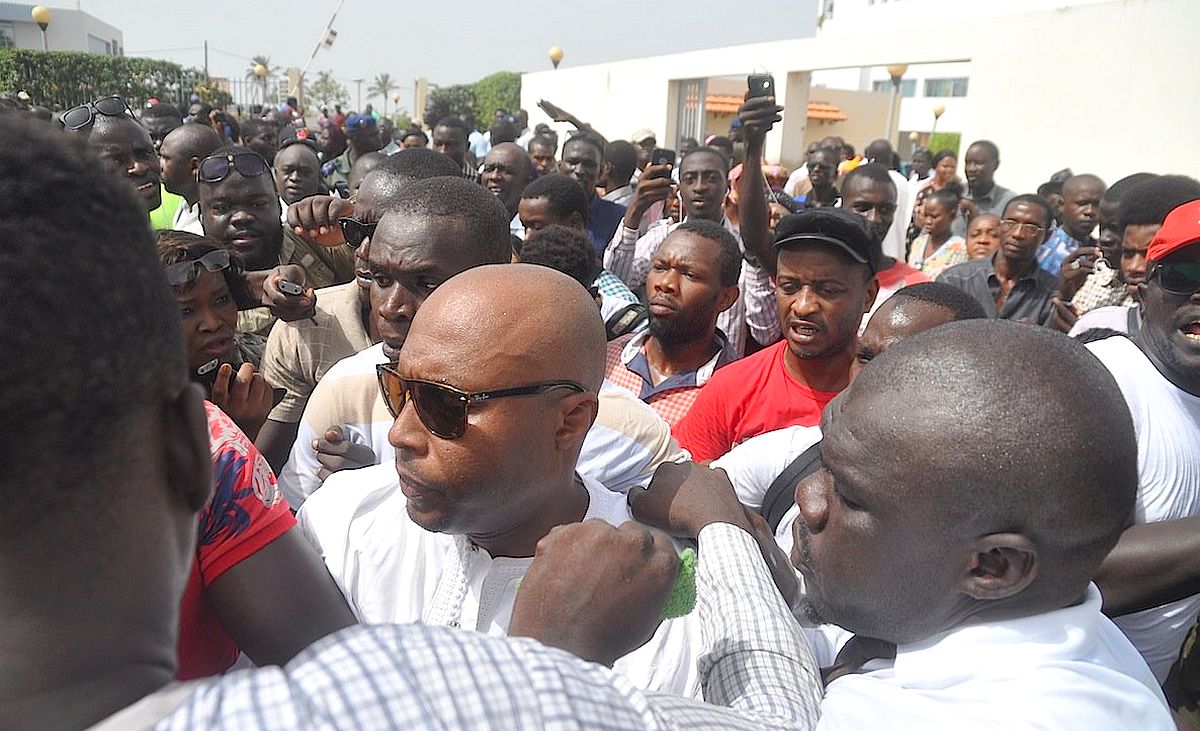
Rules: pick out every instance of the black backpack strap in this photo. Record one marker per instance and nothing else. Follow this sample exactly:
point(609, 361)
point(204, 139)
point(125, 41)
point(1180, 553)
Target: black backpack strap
point(779, 495)
point(626, 320)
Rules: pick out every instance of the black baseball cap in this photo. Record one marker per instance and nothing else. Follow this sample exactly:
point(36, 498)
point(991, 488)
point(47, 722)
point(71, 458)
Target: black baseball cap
point(844, 230)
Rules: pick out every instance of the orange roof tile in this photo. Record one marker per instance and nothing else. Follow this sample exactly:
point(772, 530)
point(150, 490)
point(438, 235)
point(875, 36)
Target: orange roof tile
point(826, 112)
point(726, 104)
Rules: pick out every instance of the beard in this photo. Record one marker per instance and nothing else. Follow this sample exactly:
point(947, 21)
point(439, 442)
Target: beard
point(673, 331)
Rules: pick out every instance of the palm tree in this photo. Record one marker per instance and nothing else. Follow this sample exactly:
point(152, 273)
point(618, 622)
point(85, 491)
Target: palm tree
point(382, 86)
point(272, 72)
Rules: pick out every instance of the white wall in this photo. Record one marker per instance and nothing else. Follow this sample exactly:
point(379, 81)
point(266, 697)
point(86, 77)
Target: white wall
point(856, 16)
point(68, 31)
point(1104, 87)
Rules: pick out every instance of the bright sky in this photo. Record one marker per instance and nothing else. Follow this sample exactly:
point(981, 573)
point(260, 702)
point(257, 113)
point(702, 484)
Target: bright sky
point(446, 42)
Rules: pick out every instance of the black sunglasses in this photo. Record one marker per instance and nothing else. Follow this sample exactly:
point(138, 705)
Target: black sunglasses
point(1181, 279)
point(81, 116)
point(183, 272)
point(443, 409)
point(355, 231)
point(215, 168)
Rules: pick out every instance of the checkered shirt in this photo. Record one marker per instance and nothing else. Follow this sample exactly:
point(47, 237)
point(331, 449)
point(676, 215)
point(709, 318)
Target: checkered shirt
point(672, 404)
point(758, 673)
point(1102, 288)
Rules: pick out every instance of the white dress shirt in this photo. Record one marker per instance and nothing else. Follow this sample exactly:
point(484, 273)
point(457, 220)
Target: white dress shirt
point(393, 571)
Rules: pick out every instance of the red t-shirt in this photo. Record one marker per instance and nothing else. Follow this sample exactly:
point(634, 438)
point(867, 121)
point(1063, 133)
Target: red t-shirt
point(746, 398)
point(247, 511)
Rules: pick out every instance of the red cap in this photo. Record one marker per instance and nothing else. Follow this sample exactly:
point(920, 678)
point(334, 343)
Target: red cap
point(1180, 229)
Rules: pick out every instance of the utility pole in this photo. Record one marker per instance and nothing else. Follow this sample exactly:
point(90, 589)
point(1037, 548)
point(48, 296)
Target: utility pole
point(359, 82)
point(207, 80)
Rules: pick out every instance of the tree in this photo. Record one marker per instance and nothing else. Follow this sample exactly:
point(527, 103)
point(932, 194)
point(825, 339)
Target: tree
point(501, 90)
point(449, 101)
point(272, 72)
point(382, 86)
point(326, 91)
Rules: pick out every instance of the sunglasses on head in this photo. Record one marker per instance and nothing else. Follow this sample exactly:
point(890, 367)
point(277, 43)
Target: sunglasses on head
point(183, 272)
point(443, 409)
point(84, 114)
point(1181, 279)
point(215, 168)
point(355, 231)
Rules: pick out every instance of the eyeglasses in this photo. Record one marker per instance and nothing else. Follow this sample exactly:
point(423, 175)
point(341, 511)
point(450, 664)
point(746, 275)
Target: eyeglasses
point(1021, 229)
point(356, 232)
point(215, 168)
point(183, 272)
point(1181, 279)
point(81, 116)
point(443, 409)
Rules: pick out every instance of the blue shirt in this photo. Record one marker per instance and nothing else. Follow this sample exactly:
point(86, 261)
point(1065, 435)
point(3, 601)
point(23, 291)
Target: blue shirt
point(603, 219)
point(1051, 254)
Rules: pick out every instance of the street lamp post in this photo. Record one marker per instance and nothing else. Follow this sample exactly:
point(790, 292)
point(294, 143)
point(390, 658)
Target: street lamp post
point(938, 111)
point(261, 72)
point(556, 55)
point(41, 15)
point(896, 71)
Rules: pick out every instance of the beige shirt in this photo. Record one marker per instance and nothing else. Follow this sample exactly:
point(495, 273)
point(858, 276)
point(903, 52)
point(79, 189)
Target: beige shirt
point(298, 354)
point(324, 266)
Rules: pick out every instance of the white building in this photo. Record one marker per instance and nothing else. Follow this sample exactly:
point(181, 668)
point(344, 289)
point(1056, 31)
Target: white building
point(69, 30)
point(1106, 87)
point(923, 87)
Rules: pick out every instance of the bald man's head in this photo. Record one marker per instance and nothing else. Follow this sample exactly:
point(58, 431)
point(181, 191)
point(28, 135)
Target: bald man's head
point(912, 310)
point(1010, 509)
point(180, 154)
point(504, 467)
point(505, 173)
point(541, 325)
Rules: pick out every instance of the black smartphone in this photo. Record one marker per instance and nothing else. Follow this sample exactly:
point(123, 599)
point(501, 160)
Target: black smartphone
point(761, 85)
point(662, 156)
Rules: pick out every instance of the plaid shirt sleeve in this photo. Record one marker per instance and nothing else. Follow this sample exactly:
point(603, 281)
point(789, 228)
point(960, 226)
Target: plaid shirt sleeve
point(630, 260)
point(416, 676)
point(758, 294)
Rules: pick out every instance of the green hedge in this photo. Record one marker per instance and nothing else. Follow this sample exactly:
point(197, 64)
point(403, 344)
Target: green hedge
point(945, 141)
point(61, 79)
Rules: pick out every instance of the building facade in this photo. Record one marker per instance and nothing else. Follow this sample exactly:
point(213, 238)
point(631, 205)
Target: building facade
point(1052, 86)
point(69, 30)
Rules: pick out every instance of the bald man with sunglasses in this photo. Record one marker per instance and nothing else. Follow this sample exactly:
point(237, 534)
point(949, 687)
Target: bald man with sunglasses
point(487, 435)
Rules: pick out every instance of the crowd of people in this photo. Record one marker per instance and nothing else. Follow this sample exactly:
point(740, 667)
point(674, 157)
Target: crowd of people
point(365, 427)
